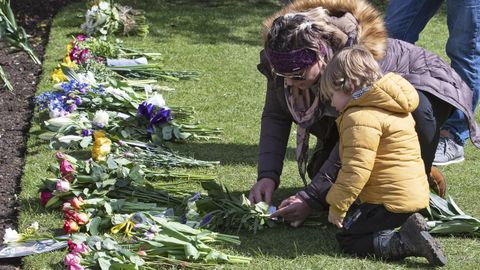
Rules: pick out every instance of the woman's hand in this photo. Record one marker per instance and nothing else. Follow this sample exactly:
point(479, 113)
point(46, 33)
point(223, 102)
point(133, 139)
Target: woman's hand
point(262, 191)
point(293, 209)
point(335, 220)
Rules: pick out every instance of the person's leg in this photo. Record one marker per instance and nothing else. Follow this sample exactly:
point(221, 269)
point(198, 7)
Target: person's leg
point(429, 116)
point(405, 19)
point(463, 48)
point(357, 235)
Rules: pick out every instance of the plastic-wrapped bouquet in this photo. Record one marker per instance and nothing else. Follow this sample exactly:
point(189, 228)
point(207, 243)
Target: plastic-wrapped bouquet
point(105, 18)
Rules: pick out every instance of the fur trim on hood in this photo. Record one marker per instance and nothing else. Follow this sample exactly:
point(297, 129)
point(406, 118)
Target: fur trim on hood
point(371, 31)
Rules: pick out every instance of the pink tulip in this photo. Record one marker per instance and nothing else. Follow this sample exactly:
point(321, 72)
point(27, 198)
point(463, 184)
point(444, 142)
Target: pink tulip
point(66, 169)
point(75, 267)
point(70, 226)
point(142, 253)
point(72, 261)
point(77, 202)
point(81, 37)
point(82, 218)
point(78, 248)
point(62, 186)
point(45, 196)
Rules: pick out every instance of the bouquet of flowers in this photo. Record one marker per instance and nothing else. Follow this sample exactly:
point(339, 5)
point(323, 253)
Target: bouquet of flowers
point(154, 241)
point(117, 178)
point(122, 112)
point(101, 19)
point(106, 18)
point(220, 210)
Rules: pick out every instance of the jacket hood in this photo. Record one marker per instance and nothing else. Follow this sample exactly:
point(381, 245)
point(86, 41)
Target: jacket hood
point(370, 30)
point(392, 93)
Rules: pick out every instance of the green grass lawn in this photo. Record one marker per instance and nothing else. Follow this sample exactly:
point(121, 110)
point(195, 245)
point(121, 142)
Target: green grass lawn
point(221, 39)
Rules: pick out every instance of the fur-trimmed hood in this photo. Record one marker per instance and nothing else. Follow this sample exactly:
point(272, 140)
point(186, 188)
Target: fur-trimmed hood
point(371, 31)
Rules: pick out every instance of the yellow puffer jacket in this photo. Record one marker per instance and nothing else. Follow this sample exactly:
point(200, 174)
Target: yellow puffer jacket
point(379, 150)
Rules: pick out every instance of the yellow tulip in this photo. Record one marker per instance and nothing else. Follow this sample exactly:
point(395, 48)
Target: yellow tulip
point(101, 146)
point(58, 76)
point(69, 63)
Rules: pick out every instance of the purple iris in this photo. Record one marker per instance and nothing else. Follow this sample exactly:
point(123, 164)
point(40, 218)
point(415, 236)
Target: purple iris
point(206, 220)
point(77, 101)
point(146, 109)
point(195, 197)
point(72, 108)
point(162, 116)
point(87, 132)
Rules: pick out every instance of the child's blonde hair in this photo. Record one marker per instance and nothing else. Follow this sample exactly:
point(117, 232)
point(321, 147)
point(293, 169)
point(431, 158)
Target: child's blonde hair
point(349, 69)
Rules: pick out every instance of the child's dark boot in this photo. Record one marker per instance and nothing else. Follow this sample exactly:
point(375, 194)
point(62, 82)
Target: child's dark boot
point(412, 239)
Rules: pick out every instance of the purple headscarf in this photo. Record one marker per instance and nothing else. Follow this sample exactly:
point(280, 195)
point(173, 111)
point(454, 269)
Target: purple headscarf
point(294, 60)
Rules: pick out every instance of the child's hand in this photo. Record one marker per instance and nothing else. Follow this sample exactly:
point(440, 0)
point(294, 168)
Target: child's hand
point(335, 220)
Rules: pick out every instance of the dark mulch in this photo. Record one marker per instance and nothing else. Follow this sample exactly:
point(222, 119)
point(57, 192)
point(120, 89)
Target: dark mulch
point(16, 108)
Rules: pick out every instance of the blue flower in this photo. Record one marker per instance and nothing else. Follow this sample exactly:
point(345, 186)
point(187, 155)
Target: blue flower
point(87, 132)
point(195, 197)
point(162, 116)
point(77, 101)
point(206, 220)
point(146, 109)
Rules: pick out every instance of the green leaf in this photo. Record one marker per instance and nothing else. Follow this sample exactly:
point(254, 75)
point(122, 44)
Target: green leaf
point(108, 208)
point(454, 207)
point(47, 136)
point(122, 161)
point(104, 263)
point(93, 225)
point(439, 206)
point(86, 141)
point(167, 132)
point(136, 174)
point(122, 266)
point(191, 252)
point(111, 164)
point(109, 244)
point(137, 260)
point(52, 201)
point(453, 227)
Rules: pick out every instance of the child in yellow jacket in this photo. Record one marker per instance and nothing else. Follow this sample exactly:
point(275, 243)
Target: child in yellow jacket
point(381, 162)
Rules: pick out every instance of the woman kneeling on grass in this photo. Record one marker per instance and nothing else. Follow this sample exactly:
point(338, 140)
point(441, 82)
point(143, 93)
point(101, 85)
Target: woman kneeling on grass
point(381, 161)
point(298, 43)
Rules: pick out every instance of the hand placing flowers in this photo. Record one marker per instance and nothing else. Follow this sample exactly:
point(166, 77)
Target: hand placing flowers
point(335, 220)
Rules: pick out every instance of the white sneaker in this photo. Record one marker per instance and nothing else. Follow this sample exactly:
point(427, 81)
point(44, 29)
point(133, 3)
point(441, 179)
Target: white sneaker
point(448, 152)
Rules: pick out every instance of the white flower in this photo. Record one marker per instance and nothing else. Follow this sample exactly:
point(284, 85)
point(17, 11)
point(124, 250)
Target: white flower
point(55, 113)
point(34, 226)
point(11, 236)
point(157, 100)
point(104, 5)
point(94, 8)
point(87, 78)
point(117, 92)
point(100, 119)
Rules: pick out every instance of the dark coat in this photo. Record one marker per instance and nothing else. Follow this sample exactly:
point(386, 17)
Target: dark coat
point(423, 69)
